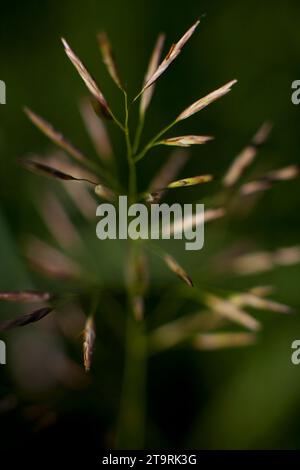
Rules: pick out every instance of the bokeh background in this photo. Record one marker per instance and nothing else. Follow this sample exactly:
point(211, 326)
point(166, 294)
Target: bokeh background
point(216, 400)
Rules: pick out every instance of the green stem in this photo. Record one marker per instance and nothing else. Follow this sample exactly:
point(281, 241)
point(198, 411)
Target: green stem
point(131, 428)
point(154, 141)
point(132, 182)
point(116, 120)
point(131, 431)
point(126, 127)
point(138, 134)
point(131, 164)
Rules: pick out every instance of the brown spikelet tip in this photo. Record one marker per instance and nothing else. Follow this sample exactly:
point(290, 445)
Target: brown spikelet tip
point(178, 270)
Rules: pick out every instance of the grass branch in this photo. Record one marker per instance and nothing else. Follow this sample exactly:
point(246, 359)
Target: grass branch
point(153, 142)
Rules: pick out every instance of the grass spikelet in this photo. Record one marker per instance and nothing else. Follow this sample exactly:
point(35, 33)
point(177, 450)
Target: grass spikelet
point(58, 221)
point(89, 337)
point(213, 214)
point(82, 199)
point(287, 256)
point(186, 140)
point(57, 137)
point(37, 167)
point(261, 261)
point(178, 270)
point(25, 296)
point(253, 263)
point(267, 181)
point(97, 131)
point(194, 221)
point(26, 319)
point(251, 300)
point(262, 291)
point(104, 193)
point(155, 196)
point(194, 180)
point(109, 59)
point(246, 157)
point(152, 67)
point(182, 330)
point(88, 80)
point(213, 341)
point(171, 56)
point(207, 100)
point(230, 311)
point(50, 261)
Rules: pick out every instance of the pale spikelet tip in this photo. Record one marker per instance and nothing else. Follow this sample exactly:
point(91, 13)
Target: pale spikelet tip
point(186, 140)
point(207, 100)
point(171, 56)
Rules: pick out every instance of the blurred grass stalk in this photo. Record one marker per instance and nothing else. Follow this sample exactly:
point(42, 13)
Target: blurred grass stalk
point(131, 427)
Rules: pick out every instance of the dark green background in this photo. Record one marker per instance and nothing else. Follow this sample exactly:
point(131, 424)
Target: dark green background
point(232, 399)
